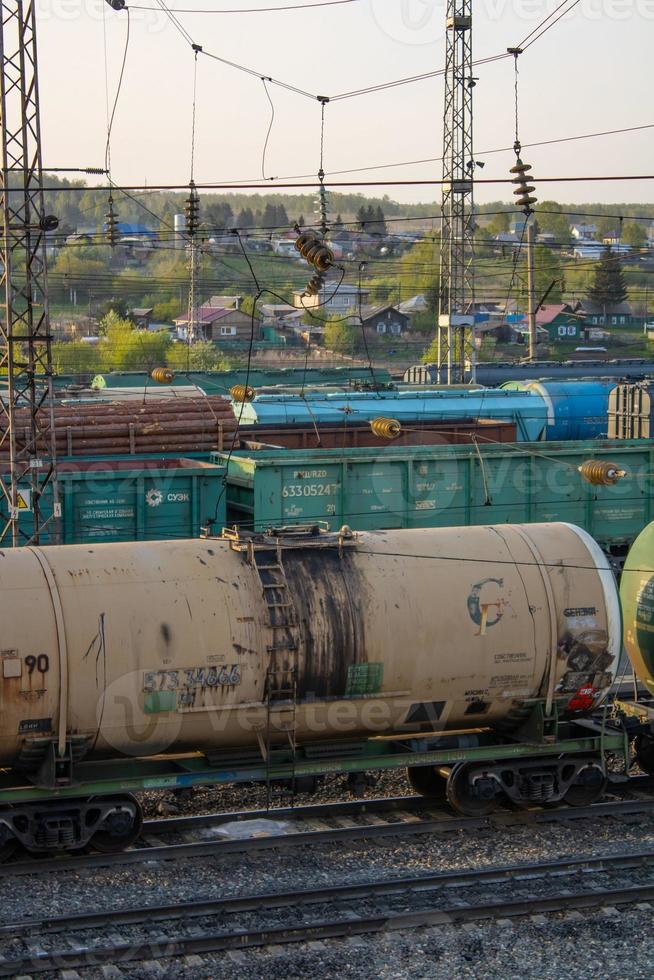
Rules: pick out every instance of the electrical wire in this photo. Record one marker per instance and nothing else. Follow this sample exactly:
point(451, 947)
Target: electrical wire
point(268, 132)
point(309, 186)
point(256, 10)
point(533, 40)
point(118, 91)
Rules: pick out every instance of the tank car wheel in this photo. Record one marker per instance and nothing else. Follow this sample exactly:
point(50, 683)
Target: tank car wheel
point(644, 745)
point(590, 788)
point(120, 829)
point(462, 799)
point(8, 844)
point(427, 781)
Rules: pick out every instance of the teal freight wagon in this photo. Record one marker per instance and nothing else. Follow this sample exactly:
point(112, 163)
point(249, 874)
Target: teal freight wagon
point(128, 499)
point(441, 486)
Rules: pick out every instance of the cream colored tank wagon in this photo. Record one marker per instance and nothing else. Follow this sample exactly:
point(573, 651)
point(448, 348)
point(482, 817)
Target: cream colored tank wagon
point(304, 652)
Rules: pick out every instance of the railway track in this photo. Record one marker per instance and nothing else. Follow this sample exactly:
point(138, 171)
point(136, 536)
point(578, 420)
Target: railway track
point(451, 898)
point(319, 824)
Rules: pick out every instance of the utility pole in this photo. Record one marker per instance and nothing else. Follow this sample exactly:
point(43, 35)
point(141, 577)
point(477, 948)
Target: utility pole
point(28, 436)
point(531, 291)
point(456, 300)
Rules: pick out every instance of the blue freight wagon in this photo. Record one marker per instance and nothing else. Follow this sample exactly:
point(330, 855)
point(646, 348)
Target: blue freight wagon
point(133, 500)
point(575, 409)
point(524, 408)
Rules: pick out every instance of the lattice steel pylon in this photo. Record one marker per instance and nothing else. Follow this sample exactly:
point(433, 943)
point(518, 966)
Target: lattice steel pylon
point(28, 436)
point(456, 352)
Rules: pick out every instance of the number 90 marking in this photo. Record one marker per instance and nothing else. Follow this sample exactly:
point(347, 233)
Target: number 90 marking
point(40, 663)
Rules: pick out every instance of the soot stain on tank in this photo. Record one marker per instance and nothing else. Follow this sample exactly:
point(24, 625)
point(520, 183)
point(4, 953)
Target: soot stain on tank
point(326, 590)
point(165, 632)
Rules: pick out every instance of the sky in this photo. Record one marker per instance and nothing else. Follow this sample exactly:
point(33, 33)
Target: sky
point(591, 72)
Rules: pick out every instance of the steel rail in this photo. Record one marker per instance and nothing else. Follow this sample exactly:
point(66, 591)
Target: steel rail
point(404, 886)
point(216, 848)
point(214, 942)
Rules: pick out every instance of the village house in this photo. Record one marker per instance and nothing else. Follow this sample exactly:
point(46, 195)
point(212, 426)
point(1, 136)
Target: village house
point(561, 321)
point(380, 321)
point(332, 298)
point(214, 323)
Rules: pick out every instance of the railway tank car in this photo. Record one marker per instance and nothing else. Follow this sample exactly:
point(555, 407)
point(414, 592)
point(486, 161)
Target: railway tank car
point(299, 639)
point(637, 598)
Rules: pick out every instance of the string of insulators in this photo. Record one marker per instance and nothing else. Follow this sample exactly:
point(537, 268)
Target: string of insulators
point(162, 375)
point(314, 251)
point(521, 179)
point(385, 428)
point(601, 473)
point(242, 393)
point(323, 204)
point(192, 211)
point(111, 224)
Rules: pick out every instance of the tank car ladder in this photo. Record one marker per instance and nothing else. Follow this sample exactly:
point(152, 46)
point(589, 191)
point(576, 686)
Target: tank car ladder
point(280, 693)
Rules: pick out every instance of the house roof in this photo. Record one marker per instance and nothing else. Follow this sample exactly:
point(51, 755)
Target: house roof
point(277, 309)
point(549, 312)
point(368, 312)
point(597, 309)
point(142, 311)
point(416, 304)
point(223, 302)
point(208, 314)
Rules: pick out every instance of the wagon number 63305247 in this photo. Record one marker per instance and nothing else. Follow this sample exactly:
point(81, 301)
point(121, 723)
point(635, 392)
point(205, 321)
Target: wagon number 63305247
point(309, 489)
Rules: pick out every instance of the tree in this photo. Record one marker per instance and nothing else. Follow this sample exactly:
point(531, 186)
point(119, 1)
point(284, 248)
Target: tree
point(547, 270)
point(126, 349)
point(634, 235)
point(340, 335)
point(166, 311)
point(609, 284)
point(552, 221)
point(203, 356)
point(300, 221)
point(281, 217)
point(245, 219)
point(75, 357)
point(419, 272)
point(270, 217)
point(500, 224)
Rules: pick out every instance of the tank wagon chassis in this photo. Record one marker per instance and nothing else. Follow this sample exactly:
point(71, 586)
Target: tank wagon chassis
point(547, 761)
point(59, 796)
point(68, 806)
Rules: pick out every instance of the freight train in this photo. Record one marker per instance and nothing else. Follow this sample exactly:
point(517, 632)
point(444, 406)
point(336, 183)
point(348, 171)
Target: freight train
point(478, 658)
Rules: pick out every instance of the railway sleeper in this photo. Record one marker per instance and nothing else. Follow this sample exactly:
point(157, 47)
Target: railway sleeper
point(106, 823)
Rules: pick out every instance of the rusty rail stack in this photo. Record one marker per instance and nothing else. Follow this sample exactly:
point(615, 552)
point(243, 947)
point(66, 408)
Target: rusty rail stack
point(180, 425)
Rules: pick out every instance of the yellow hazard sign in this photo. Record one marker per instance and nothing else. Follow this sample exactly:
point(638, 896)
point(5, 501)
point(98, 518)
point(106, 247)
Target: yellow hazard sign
point(23, 500)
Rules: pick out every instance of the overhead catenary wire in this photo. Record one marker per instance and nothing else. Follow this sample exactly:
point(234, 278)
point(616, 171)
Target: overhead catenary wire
point(255, 10)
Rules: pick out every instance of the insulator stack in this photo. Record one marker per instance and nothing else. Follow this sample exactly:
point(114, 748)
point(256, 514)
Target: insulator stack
point(242, 393)
point(192, 212)
point(523, 187)
point(386, 428)
point(601, 473)
point(314, 285)
point(111, 224)
point(323, 206)
point(314, 251)
point(162, 375)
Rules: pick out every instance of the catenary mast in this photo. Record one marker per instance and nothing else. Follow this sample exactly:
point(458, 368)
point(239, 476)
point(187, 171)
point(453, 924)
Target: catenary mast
point(25, 341)
point(456, 353)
